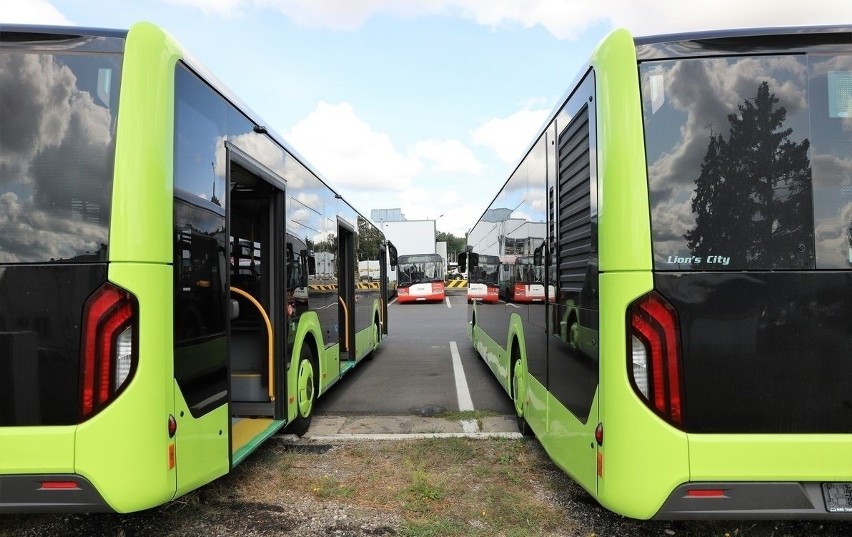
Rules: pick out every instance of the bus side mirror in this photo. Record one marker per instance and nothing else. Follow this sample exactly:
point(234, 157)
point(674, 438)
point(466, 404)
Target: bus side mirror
point(462, 261)
point(392, 255)
point(474, 260)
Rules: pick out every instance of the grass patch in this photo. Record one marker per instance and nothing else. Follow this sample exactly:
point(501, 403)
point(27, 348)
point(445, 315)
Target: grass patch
point(436, 486)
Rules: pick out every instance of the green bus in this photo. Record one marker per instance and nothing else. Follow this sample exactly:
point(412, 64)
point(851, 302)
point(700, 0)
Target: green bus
point(176, 283)
point(696, 196)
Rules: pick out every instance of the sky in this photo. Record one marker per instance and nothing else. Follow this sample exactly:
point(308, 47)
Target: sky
point(420, 105)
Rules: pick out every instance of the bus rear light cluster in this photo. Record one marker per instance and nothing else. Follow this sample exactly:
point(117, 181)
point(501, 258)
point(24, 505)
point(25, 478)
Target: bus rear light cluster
point(437, 287)
point(108, 347)
point(654, 356)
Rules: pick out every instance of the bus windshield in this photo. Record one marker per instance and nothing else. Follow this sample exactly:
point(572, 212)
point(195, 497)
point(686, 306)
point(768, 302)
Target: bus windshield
point(748, 162)
point(420, 269)
point(526, 271)
point(486, 270)
point(57, 124)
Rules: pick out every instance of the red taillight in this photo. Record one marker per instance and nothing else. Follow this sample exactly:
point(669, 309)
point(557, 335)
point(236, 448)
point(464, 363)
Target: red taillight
point(437, 287)
point(108, 346)
point(520, 290)
point(705, 493)
point(655, 356)
point(59, 485)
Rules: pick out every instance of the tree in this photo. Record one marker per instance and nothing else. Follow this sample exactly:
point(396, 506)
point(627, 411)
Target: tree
point(369, 240)
point(454, 244)
point(752, 199)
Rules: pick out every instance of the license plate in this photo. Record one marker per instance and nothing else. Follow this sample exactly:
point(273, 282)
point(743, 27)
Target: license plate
point(838, 497)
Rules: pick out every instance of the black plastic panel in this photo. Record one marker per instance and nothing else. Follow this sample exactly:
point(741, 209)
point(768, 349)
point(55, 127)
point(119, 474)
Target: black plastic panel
point(764, 352)
point(40, 318)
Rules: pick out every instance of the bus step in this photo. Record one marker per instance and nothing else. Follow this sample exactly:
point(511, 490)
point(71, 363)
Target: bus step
point(248, 386)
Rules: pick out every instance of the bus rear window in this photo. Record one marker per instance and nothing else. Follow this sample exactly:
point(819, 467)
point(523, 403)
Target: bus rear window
point(57, 125)
point(749, 162)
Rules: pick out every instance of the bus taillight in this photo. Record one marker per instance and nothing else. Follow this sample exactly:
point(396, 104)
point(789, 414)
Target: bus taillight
point(654, 355)
point(108, 347)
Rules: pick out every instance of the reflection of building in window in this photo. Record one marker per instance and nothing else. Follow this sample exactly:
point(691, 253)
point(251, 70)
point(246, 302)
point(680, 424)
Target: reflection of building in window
point(325, 264)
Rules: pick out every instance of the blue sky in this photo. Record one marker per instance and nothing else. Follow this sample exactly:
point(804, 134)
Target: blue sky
point(422, 105)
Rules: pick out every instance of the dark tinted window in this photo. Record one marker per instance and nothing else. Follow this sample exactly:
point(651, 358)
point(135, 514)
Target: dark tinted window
point(200, 266)
point(57, 126)
point(200, 127)
point(731, 162)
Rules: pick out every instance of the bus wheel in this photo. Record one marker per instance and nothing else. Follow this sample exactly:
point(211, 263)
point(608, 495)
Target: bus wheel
point(519, 388)
point(306, 392)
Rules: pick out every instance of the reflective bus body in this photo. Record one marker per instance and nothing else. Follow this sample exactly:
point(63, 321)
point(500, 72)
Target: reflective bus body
point(176, 284)
point(691, 205)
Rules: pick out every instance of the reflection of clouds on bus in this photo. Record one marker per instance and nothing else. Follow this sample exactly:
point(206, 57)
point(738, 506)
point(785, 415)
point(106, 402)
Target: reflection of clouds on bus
point(832, 238)
point(269, 154)
point(693, 99)
point(54, 135)
point(707, 91)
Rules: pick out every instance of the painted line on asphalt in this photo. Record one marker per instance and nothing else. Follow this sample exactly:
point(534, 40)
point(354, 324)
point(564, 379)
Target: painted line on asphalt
point(462, 390)
point(395, 436)
point(447, 300)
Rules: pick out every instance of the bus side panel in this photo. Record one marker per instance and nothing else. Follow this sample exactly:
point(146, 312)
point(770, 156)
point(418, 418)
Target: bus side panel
point(124, 450)
point(141, 225)
point(571, 443)
point(536, 413)
point(491, 352)
point(643, 457)
point(201, 445)
point(367, 339)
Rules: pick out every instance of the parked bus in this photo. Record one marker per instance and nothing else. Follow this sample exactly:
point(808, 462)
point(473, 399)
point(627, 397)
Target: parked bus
point(161, 308)
point(420, 278)
point(526, 283)
point(483, 283)
point(695, 360)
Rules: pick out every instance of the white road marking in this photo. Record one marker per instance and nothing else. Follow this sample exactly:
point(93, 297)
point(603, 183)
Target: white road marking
point(447, 300)
point(462, 391)
point(394, 436)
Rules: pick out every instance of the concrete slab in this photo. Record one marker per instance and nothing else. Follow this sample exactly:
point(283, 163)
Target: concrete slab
point(382, 427)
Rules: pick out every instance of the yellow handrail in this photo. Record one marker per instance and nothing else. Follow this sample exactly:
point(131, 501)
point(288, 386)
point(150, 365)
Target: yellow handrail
point(269, 334)
point(345, 322)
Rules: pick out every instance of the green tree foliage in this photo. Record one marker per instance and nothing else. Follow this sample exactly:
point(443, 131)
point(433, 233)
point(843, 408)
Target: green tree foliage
point(369, 240)
point(752, 200)
point(454, 244)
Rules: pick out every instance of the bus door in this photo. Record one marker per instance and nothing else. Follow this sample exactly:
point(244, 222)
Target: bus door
point(346, 272)
point(256, 334)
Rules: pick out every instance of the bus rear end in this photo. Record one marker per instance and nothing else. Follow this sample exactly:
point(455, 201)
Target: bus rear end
point(80, 415)
point(744, 345)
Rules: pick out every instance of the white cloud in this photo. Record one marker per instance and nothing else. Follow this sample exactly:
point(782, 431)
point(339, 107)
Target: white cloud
point(223, 8)
point(32, 12)
point(347, 151)
point(509, 137)
point(565, 19)
point(448, 156)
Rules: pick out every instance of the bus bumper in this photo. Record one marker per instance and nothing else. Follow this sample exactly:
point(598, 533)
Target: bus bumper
point(50, 493)
point(751, 501)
